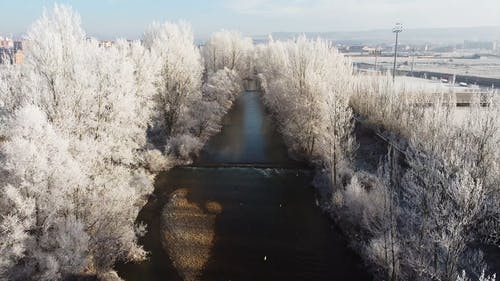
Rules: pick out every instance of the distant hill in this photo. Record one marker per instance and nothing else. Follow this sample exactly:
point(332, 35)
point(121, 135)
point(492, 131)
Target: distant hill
point(421, 35)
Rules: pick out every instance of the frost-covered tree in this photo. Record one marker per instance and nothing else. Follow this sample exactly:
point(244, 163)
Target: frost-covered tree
point(219, 92)
point(58, 59)
point(73, 142)
point(228, 49)
point(11, 93)
point(370, 204)
point(441, 206)
point(187, 112)
point(92, 99)
point(464, 138)
point(337, 144)
point(448, 194)
point(41, 229)
point(307, 84)
point(179, 80)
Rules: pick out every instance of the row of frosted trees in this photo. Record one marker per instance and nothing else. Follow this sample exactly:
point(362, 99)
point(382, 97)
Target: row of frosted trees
point(443, 203)
point(434, 199)
point(306, 84)
point(83, 129)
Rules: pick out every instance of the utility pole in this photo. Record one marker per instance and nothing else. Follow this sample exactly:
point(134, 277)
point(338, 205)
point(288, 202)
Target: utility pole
point(412, 62)
point(398, 28)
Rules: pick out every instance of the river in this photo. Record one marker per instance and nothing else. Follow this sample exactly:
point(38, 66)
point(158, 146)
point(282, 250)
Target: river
point(270, 227)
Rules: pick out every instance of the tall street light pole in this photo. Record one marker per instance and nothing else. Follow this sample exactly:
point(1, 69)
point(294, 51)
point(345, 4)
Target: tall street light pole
point(398, 28)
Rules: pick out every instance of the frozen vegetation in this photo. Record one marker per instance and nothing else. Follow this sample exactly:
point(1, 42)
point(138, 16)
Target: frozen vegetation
point(481, 67)
point(435, 198)
point(445, 201)
point(84, 129)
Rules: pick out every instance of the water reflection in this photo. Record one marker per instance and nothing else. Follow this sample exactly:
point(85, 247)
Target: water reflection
point(269, 227)
point(248, 136)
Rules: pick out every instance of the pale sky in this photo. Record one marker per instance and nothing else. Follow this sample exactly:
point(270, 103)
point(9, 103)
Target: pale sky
point(129, 18)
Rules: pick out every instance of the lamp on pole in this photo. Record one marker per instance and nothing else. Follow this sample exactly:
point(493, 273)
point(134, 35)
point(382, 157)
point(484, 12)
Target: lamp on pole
point(398, 28)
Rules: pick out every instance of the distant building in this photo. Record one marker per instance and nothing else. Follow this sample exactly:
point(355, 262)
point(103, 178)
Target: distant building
point(443, 49)
point(18, 45)
point(18, 57)
point(343, 49)
point(106, 44)
point(479, 45)
point(6, 42)
point(11, 51)
point(372, 50)
point(355, 49)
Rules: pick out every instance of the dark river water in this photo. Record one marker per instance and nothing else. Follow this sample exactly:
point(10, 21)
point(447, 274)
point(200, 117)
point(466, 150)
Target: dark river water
point(270, 227)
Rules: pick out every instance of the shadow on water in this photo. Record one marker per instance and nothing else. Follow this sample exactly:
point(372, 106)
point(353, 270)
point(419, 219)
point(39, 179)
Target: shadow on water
point(270, 227)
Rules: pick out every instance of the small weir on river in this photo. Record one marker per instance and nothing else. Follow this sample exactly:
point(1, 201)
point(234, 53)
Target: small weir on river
point(266, 226)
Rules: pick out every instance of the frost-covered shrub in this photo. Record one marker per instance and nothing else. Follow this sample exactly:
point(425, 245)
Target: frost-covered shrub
point(381, 252)
point(184, 146)
point(156, 161)
point(109, 276)
point(364, 199)
point(219, 93)
point(483, 277)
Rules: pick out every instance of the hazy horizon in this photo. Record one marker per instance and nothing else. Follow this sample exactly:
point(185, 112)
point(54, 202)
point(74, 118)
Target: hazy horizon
point(412, 35)
point(129, 18)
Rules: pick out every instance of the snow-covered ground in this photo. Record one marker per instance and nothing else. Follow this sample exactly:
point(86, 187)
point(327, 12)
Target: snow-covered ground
point(420, 85)
point(482, 67)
